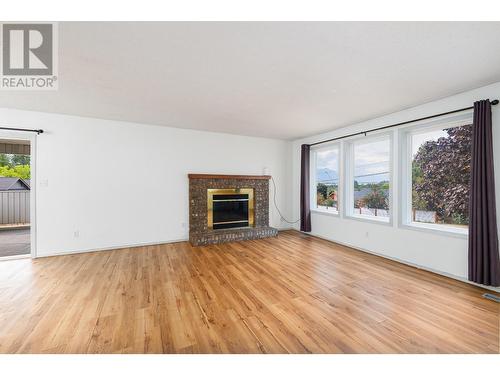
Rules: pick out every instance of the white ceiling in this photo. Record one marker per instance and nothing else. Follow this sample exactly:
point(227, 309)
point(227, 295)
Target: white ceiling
point(279, 80)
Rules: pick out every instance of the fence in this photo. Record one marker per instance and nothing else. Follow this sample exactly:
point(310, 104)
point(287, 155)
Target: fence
point(372, 211)
point(425, 216)
point(15, 207)
point(418, 216)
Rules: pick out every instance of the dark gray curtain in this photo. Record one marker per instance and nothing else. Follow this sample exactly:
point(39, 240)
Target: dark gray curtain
point(484, 263)
point(305, 196)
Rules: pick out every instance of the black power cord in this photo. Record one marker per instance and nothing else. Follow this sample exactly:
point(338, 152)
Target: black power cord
point(276, 205)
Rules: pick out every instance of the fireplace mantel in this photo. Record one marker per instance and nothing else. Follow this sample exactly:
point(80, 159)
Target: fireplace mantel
point(228, 176)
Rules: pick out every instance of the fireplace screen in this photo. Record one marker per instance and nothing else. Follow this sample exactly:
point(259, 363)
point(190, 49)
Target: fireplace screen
point(230, 208)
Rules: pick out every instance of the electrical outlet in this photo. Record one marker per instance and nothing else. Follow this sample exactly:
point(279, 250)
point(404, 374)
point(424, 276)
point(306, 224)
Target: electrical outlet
point(367, 234)
point(76, 234)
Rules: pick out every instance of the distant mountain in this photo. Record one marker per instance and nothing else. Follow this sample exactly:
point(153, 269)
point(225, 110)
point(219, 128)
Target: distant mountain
point(381, 177)
point(372, 172)
point(327, 176)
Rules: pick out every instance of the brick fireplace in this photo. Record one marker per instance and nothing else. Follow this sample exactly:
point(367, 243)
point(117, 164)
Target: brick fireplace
point(225, 208)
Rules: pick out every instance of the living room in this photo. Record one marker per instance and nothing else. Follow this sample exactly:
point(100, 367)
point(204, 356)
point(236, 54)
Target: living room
point(249, 188)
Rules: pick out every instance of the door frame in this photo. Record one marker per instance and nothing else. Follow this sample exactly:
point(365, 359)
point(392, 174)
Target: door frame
point(32, 138)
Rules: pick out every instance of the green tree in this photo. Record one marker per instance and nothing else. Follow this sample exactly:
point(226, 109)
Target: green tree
point(15, 166)
point(384, 185)
point(377, 198)
point(322, 189)
point(19, 160)
point(21, 171)
point(417, 178)
point(329, 203)
point(4, 160)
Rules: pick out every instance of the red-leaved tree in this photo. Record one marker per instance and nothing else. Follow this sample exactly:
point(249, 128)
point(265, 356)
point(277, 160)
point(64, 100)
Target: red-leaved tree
point(443, 169)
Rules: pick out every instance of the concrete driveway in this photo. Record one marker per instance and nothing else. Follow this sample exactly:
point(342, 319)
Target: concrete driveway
point(14, 242)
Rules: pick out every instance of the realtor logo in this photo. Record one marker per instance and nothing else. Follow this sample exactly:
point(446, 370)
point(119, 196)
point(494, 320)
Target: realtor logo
point(29, 58)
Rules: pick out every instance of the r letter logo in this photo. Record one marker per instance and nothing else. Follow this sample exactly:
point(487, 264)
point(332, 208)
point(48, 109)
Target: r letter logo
point(29, 58)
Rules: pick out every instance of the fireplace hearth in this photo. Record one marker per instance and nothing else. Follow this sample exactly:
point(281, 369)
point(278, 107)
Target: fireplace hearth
point(225, 208)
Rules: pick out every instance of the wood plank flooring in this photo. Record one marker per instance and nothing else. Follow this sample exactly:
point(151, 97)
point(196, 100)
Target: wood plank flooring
point(290, 294)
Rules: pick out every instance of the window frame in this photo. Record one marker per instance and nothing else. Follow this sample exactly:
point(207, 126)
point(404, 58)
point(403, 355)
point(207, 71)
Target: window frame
point(313, 196)
point(349, 178)
point(405, 180)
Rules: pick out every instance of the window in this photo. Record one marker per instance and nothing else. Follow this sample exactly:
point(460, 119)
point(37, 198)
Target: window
point(433, 178)
point(369, 184)
point(326, 179)
point(438, 176)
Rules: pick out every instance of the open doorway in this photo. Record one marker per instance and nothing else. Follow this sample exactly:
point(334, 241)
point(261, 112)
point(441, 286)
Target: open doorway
point(15, 198)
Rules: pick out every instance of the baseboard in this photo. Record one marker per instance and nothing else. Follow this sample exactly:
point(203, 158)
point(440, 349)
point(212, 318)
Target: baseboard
point(15, 257)
point(414, 265)
point(92, 250)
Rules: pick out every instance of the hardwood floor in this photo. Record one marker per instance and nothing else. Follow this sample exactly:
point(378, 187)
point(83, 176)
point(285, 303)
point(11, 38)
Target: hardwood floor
point(290, 294)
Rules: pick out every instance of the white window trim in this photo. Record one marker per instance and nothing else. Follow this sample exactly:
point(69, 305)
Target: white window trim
point(326, 211)
point(405, 181)
point(312, 181)
point(348, 206)
point(14, 135)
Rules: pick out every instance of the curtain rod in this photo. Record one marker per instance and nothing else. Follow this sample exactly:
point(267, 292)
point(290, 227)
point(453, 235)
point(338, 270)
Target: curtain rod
point(37, 131)
point(494, 102)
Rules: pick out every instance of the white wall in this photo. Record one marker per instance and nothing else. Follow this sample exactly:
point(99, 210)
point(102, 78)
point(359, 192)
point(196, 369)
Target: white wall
point(122, 184)
point(441, 253)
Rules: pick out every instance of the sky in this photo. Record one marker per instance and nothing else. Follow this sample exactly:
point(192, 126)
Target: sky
point(369, 159)
point(327, 163)
point(372, 159)
point(418, 139)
